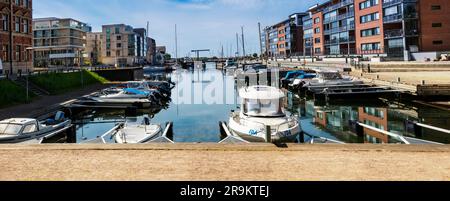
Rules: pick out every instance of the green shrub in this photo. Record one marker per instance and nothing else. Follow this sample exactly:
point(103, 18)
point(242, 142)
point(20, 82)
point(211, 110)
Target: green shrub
point(57, 83)
point(12, 94)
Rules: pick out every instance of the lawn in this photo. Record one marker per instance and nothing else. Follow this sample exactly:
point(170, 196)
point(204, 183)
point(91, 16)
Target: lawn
point(12, 94)
point(58, 83)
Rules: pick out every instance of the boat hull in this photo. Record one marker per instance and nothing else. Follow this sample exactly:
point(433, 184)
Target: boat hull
point(50, 132)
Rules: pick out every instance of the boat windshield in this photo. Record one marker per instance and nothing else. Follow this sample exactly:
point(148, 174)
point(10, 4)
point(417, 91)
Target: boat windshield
point(135, 85)
point(331, 76)
point(10, 129)
point(263, 107)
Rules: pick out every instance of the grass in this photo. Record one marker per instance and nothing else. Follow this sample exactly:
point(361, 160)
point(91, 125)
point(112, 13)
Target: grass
point(58, 83)
point(12, 94)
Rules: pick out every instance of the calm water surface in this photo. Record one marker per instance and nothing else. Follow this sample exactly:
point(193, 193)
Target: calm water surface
point(195, 120)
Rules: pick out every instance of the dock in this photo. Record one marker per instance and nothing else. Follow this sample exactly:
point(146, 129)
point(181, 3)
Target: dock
point(225, 162)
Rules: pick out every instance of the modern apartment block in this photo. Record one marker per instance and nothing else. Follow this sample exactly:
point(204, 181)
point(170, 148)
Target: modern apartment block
point(59, 42)
point(94, 47)
point(16, 21)
point(284, 39)
point(122, 45)
point(141, 45)
point(393, 29)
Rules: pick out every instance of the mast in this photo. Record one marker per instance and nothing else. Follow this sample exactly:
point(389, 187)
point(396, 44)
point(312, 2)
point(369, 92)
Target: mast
point(243, 41)
point(237, 45)
point(176, 45)
point(260, 40)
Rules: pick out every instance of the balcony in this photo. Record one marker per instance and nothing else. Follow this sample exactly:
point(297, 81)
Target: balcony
point(339, 17)
point(307, 26)
point(397, 33)
point(399, 17)
point(394, 2)
point(340, 29)
point(307, 36)
point(339, 5)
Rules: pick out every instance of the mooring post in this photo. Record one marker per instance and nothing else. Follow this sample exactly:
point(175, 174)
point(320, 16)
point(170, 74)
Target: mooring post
point(418, 130)
point(359, 130)
point(268, 134)
point(423, 82)
point(398, 79)
point(302, 137)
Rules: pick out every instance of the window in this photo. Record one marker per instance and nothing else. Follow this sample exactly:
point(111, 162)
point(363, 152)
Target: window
point(391, 11)
point(317, 30)
point(368, 4)
point(317, 50)
point(118, 53)
point(117, 30)
point(108, 53)
point(17, 24)
point(29, 129)
point(436, 25)
point(119, 45)
point(5, 53)
point(26, 3)
point(435, 7)
point(371, 46)
point(25, 25)
point(370, 32)
point(317, 40)
point(4, 22)
point(317, 20)
point(370, 17)
point(119, 37)
point(438, 42)
point(18, 53)
point(395, 43)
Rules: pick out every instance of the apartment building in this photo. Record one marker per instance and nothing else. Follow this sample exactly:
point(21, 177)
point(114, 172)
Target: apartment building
point(119, 45)
point(284, 39)
point(94, 47)
point(16, 21)
point(394, 29)
point(141, 45)
point(59, 42)
point(151, 50)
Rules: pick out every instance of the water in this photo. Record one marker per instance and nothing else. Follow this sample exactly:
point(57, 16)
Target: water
point(196, 113)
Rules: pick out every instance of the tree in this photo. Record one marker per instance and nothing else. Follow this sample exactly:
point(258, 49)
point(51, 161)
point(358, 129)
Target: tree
point(167, 57)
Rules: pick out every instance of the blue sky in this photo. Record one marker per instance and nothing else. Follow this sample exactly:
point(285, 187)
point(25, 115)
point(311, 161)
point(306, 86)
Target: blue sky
point(202, 24)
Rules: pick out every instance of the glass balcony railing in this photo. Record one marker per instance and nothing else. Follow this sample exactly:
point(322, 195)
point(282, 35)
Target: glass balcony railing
point(339, 17)
point(393, 33)
point(339, 5)
point(394, 2)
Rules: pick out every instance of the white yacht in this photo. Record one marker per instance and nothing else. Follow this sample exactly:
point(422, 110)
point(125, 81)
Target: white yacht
point(262, 107)
point(18, 130)
point(331, 78)
point(133, 132)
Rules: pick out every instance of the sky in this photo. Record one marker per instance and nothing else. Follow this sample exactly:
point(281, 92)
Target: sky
point(201, 24)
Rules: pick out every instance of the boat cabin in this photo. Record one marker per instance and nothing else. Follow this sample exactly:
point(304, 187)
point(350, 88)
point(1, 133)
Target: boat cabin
point(138, 85)
point(18, 126)
point(262, 101)
point(329, 75)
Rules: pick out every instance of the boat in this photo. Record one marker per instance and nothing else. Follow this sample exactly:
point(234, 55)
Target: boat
point(133, 132)
point(17, 130)
point(231, 64)
point(261, 108)
point(291, 76)
point(330, 78)
point(156, 69)
point(300, 80)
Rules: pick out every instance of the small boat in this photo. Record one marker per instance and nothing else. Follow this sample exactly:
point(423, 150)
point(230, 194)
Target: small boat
point(231, 64)
point(331, 78)
point(262, 107)
point(133, 132)
point(155, 69)
point(18, 130)
point(300, 80)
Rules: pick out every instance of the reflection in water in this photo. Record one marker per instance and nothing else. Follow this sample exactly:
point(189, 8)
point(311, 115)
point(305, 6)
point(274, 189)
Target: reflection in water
point(204, 97)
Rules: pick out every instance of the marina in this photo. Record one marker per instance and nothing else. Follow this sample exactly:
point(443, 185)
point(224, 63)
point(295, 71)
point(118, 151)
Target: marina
point(202, 119)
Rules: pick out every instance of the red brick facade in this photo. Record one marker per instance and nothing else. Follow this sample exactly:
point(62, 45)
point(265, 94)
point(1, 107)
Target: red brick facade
point(21, 25)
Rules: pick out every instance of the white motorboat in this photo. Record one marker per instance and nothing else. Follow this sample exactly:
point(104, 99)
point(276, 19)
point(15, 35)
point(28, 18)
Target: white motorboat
point(262, 107)
point(331, 78)
point(133, 132)
point(231, 64)
point(18, 130)
point(127, 95)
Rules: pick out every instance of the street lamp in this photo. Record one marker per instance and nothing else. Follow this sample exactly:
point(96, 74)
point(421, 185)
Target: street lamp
point(28, 50)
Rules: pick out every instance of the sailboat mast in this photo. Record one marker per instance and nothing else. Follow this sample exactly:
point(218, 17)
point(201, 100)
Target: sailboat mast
point(176, 44)
point(243, 41)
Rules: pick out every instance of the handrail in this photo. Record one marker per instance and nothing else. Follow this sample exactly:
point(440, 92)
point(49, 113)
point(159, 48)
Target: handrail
point(401, 138)
point(434, 128)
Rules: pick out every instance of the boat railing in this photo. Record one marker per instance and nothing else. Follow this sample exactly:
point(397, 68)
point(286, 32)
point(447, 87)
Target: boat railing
point(291, 123)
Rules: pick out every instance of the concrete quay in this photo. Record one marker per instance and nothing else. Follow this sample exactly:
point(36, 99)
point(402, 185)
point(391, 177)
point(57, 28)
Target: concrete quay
point(211, 162)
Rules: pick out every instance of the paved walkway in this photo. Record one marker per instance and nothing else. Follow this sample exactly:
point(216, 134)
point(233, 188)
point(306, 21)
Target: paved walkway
point(191, 162)
point(43, 103)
